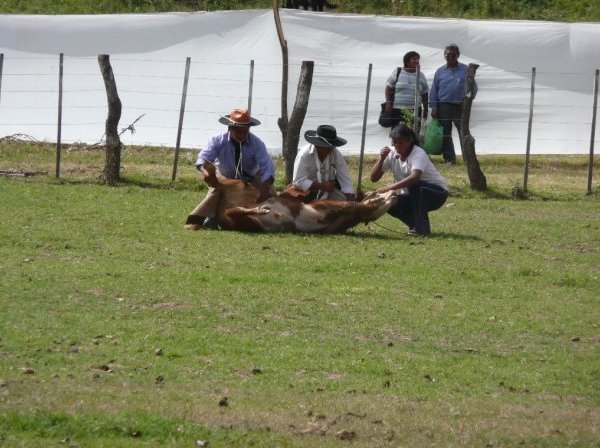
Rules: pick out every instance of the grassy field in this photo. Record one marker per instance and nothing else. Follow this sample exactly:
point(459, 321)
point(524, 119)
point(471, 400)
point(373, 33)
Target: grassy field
point(119, 328)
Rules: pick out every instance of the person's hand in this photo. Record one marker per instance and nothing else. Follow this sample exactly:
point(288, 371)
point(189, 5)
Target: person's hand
point(382, 190)
point(435, 113)
point(327, 186)
point(265, 193)
point(384, 152)
point(209, 177)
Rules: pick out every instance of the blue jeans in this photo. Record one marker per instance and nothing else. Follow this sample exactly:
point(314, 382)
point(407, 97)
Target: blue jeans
point(413, 208)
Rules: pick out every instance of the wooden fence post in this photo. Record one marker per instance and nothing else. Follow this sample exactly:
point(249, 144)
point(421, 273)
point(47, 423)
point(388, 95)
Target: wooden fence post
point(416, 105)
point(59, 124)
point(181, 114)
point(527, 149)
point(364, 133)
point(250, 86)
point(593, 136)
point(1, 68)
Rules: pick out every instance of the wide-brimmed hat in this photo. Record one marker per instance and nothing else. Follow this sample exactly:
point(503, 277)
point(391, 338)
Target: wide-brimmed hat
point(239, 118)
point(325, 136)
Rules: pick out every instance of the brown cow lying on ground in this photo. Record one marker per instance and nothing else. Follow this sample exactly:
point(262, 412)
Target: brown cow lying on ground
point(238, 209)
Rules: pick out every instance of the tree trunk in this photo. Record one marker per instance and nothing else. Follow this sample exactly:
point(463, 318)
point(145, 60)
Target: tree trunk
point(290, 144)
point(476, 176)
point(282, 122)
point(112, 162)
point(290, 128)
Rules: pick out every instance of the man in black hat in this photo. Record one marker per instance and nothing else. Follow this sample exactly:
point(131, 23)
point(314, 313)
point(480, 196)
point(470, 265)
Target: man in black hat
point(237, 154)
point(320, 170)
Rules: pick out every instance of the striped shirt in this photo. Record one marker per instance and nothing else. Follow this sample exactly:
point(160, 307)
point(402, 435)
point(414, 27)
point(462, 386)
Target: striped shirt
point(404, 94)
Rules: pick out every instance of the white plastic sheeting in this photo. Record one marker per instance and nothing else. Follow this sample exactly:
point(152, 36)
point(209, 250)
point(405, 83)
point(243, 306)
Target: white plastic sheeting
point(148, 55)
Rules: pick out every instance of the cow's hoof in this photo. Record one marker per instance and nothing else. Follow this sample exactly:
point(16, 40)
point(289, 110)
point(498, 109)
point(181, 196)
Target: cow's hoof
point(192, 226)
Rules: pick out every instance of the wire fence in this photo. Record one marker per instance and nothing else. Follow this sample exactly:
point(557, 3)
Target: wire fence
point(563, 113)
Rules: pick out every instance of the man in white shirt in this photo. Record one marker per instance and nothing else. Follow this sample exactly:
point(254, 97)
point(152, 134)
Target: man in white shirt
point(320, 170)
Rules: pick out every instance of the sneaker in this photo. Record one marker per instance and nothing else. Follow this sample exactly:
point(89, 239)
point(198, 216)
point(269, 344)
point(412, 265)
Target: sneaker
point(415, 232)
point(210, 223)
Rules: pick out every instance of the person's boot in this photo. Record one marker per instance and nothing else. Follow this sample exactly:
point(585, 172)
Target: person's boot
point(210, 223)
point(194, 222)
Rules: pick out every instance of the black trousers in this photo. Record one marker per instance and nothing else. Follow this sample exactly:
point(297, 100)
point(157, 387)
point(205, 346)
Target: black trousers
point(413, 208)
point(449, 113)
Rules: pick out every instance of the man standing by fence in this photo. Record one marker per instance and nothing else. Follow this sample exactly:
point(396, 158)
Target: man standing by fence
point(447, 96)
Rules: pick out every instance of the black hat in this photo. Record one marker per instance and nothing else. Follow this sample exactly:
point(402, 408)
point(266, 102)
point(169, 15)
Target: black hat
point(325, 136)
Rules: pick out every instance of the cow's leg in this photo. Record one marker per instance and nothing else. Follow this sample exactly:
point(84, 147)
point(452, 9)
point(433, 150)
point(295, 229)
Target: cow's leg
point(242, 218)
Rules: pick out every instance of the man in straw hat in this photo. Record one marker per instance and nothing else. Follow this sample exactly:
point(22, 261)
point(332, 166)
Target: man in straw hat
point(320, 170)
point(237, 154)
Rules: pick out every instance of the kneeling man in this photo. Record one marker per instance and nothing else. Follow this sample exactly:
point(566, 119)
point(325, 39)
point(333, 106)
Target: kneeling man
point(320, 170)
point(237, 154)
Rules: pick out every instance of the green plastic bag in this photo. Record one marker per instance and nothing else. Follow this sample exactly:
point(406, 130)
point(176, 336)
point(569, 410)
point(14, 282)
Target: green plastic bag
point(434, 137)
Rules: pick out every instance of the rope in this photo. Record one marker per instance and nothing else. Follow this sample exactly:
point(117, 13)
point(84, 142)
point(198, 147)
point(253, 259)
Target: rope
point(383, 227)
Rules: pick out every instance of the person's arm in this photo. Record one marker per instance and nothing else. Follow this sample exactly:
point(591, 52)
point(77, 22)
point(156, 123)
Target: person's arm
point(408, 181)
point(301, 178)
point(265, 190)
point(433, 95)
point(208, 154)
point(266, 168)
point(263, 160)
point(390, 90)
point(389, 99)
point(377, 170)
point(342, 174)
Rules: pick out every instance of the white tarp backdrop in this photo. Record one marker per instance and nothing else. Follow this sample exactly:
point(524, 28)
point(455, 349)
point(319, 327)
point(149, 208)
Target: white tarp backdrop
point(148, 54)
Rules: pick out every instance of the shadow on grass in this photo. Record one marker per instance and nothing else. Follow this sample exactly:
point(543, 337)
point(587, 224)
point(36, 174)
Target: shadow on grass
point(467, 192)
point(454, 236)
point(390, 234)
point(400, 233)
point(124, 182)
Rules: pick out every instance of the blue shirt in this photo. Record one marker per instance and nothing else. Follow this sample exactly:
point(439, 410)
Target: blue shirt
point(254, 158)
point(449, 85)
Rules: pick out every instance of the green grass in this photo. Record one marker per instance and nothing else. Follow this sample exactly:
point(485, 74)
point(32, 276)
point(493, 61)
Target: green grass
point(558, 10)
point(485, 334)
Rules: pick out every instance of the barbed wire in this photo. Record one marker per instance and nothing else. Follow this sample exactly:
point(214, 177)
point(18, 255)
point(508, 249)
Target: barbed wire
point(323, 79)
